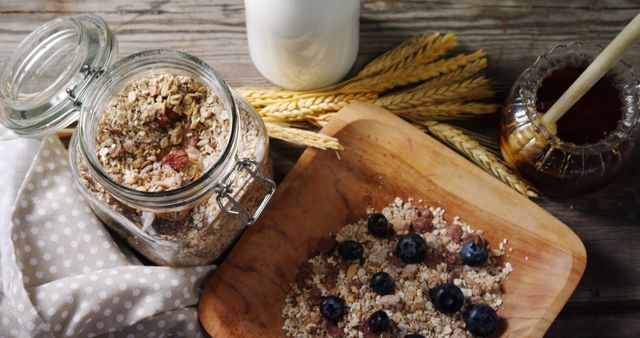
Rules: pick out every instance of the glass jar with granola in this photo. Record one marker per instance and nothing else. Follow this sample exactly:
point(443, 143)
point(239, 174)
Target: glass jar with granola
point(168, 156)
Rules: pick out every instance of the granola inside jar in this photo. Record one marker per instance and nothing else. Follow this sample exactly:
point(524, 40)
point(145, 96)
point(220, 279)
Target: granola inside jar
point(170, 159)
point(168, 156)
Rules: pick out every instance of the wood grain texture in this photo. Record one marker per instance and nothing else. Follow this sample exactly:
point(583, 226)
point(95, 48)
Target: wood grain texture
point(385, 158)
point(512, 32)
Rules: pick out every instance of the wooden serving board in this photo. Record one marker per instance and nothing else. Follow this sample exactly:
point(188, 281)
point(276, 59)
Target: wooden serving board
point(385, 157)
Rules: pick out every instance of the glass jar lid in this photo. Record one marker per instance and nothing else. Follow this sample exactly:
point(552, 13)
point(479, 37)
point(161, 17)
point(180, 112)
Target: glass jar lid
point(45, 78)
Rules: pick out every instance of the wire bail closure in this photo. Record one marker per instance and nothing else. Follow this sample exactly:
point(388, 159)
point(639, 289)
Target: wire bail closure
point(89, 74)
point(225, 190)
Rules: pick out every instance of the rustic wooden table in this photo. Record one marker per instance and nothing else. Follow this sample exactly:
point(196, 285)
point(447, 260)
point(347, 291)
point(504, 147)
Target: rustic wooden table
point(607, 301)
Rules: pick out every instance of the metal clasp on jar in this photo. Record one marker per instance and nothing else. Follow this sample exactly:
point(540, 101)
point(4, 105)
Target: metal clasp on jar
point(225, 190)
point(89, 74)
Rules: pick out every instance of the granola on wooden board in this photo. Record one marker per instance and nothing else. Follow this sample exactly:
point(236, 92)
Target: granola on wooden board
point(361, 284)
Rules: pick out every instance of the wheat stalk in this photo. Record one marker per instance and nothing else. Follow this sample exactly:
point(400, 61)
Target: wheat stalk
point(448, 110)
point(302, 137)
point(414, 73)
point(288, 112)
point(460, 74)
point(488, 161)
point(396, 55)
point(320, 120)
point(265, 93)
point(419, 50)
point(260, 98)
point(428, 53)
point(303, 108)
point(476, 88)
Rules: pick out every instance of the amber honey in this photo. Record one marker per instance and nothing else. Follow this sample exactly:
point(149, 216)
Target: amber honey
point(590, 119)
point(593, 141)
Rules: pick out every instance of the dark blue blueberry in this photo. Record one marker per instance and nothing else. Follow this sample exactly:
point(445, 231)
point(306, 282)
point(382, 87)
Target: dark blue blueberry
point(378, 225)
point(411, 248)
point(447, 298)
point(414, 335)
point(332, 308)
point(379, 322)
point(481, 320)
point(474, 253)
point(350, 250)
point(382, 284)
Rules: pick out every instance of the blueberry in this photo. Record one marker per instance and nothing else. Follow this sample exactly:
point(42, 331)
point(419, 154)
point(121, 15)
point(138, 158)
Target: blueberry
point(378, 225)
point(411, 248)
point(447, 298)
point(414, 335)
point(379, 322)
point(474, 253)
point(350, 250)
point(382, 284)
point(481, 320)
point(332, 308)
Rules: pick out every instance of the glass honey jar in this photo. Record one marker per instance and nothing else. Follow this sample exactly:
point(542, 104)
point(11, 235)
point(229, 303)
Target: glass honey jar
point(592, 142)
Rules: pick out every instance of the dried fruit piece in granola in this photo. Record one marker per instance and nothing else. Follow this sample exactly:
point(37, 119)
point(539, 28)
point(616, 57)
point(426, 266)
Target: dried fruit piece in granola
point(176, 159)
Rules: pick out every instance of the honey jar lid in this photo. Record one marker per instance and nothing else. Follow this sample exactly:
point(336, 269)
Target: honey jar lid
point(44, 80)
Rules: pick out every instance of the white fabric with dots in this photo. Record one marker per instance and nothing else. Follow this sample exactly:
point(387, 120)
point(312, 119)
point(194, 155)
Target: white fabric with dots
point(61, 272)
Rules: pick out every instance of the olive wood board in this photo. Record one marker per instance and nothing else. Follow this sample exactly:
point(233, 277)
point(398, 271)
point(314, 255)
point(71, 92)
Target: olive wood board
point(385, 157)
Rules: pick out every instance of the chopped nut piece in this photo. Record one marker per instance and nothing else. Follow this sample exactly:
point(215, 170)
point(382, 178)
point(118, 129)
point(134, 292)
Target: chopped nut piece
point(352, 270)
point(164, 142)
point(455, 231)
point(409, 271)
point(422, 224)
point(115, 150)
point(393, 301)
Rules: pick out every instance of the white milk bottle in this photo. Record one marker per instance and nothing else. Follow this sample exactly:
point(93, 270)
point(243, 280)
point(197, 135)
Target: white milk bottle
point(303, 44)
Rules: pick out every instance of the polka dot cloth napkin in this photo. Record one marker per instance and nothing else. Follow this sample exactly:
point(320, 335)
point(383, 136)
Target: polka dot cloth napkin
point(63, 275)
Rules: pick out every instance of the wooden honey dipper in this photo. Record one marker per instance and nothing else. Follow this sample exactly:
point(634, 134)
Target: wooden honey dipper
point(604, 62)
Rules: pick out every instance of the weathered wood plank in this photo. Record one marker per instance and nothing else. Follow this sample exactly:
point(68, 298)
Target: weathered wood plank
point(608, 224)
point(604, 325)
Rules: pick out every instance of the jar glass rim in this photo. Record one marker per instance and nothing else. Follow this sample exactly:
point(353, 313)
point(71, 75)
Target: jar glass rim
point(532, 81)
point(121, 72)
